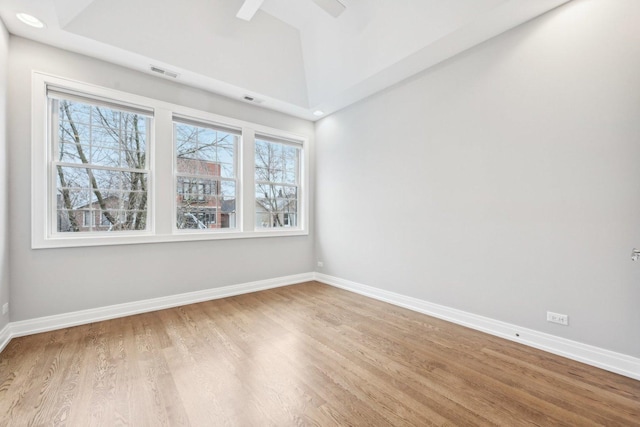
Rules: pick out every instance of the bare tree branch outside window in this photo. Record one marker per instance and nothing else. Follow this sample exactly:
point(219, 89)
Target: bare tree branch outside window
point(277, 180)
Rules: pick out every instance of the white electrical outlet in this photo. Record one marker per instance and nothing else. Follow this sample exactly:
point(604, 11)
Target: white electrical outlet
point(561, 319)
point(5, 308)
point(320, 264)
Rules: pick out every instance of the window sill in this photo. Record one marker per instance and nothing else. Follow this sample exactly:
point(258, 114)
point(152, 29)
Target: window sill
point(138, 239)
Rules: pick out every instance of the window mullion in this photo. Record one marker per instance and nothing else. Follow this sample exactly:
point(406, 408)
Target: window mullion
point(248, 179)
point(284, 184)
point(54, 118)
point(163, 184)
point(206, 177)
point(100, 167)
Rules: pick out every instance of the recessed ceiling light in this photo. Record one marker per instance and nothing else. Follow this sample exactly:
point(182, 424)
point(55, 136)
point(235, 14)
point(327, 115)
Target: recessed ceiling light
point(318, 113)
point(30, 20)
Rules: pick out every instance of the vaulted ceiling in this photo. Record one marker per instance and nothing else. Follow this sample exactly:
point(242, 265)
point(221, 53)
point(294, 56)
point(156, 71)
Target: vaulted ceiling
point(292, 56)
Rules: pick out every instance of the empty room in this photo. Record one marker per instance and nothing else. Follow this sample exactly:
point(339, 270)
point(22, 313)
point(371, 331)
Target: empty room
point(319, 212)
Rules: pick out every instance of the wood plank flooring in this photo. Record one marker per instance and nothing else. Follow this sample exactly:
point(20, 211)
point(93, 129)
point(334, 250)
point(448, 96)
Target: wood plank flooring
point(307, 354)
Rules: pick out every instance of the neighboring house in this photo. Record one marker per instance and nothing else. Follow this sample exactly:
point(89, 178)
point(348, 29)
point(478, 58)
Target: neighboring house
point(201, 205)
point(228, 213)
point(199, 202)
point(89, 217)
point(276, 213)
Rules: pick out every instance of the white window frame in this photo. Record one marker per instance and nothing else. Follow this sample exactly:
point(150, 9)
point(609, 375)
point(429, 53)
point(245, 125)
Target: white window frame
point(161, 226)
point(204, 120)
point(53, 145)
point(278, 140)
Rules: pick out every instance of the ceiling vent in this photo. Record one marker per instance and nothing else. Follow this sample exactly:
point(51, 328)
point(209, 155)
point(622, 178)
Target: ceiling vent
point(253, 99)
point(163, 72)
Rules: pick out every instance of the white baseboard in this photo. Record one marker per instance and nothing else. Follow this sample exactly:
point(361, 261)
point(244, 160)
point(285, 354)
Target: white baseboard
point(60, 321)
point(5, 336)
point(611, 361)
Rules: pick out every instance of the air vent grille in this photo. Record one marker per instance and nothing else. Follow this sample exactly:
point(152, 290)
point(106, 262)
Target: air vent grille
point(253, 99)
point(163, 71)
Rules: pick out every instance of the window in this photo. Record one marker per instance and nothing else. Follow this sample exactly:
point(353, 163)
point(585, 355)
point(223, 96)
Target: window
point(111, 168)
point(99, 163)
point(206, 180)
point(198, 218)
point(92, 218)
point(88, 219)
point(277, 181)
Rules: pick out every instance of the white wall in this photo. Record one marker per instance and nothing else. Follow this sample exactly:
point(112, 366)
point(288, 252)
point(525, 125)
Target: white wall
point(4, 175)
point(47, 282)
point(504, 182)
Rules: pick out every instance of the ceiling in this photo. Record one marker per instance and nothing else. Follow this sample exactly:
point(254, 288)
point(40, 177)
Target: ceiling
point(292, 56)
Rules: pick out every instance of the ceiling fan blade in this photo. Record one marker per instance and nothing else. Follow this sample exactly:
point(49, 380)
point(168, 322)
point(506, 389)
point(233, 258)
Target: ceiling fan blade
point(332, 7)
point(248, 9)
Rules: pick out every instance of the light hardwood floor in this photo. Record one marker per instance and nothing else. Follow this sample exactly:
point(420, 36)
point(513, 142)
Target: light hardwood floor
point(306, 354)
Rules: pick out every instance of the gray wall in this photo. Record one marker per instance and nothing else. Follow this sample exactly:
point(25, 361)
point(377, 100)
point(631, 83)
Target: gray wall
point(4, 175)
point(52, 281)
point(504, 182)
